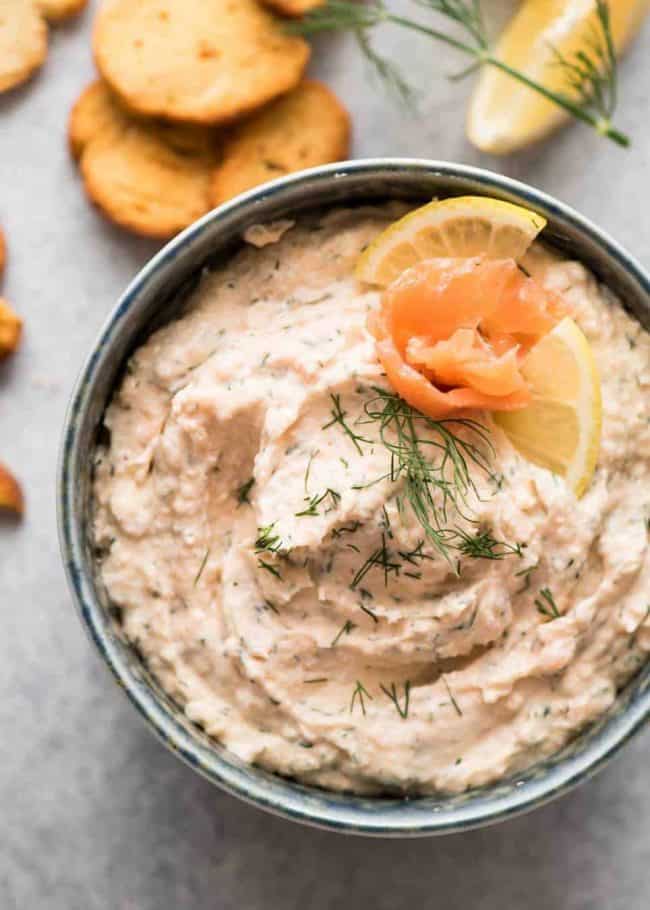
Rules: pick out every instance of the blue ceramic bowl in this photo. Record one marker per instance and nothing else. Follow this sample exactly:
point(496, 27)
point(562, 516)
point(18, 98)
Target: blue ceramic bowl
point(153, 296)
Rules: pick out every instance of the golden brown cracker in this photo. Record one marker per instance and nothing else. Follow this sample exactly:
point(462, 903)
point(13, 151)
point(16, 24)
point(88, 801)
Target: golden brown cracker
point(94, 115)
point(202, 61)
point(307, 127)
point(60, 10)
point(148, 177)
point(293, 8)
point(11, 327)
point(11, 495)
point(23, 42)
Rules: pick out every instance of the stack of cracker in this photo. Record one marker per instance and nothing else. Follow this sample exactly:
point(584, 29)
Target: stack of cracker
point(197, 101)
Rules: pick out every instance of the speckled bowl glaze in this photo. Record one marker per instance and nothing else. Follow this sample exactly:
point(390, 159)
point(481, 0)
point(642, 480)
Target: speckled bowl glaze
point(151, 299)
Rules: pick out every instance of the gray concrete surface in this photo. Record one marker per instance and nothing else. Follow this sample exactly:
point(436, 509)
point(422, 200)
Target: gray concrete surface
point(94, 813)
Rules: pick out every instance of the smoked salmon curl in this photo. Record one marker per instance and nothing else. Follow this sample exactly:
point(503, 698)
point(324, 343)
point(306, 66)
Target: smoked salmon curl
point(451, 333)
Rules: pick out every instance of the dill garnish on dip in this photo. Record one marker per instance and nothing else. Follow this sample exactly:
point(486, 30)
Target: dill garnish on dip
point(374, 550)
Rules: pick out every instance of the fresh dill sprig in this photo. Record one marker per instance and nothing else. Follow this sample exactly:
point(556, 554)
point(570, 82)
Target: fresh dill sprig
point(483, 545)
point(402, 710)
point(347, 627)
point(434, 469)
point(546, 605)
point(386, 71)
point(315, 501)
point(591, 75)
point(591, 92)
point(338, 417)
point(359, 692)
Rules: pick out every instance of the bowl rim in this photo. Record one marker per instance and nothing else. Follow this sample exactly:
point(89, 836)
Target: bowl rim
point(286, 798)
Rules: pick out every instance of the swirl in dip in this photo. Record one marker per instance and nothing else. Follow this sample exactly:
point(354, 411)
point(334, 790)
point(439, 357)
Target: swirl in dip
point(274, 577)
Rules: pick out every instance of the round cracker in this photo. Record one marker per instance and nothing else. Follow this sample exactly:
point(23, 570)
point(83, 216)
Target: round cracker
point(96, 113)
point(150, 178)
point(293, 8)
point(23, 42)
point(308, 127)
point(60, 10)
point(203, 61)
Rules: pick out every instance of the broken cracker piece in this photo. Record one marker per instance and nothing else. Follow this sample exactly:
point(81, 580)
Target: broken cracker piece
point(11, 327)
point(200, 61)
point(11, 495)
point(60, 10)
point(307, 127)
point(151, 178)
point(23, 42)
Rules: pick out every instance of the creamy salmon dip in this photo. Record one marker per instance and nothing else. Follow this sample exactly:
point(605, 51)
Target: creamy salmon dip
point(273, 575)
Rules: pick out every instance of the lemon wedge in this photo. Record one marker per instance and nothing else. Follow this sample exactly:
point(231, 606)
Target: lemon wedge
point(505, 115)
point(459, 226)
point(560, 428)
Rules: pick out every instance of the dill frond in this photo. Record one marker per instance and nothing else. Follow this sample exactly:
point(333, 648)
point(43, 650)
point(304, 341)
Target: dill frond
point(591, 96)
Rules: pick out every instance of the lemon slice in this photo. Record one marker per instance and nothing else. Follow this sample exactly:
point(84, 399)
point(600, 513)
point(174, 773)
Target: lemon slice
point(560, 429)
point(460, 226)
point(505, 115)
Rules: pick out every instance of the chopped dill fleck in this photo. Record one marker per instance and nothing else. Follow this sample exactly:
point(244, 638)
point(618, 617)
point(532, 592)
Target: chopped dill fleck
point(269, 568)
point(271, 606)
point(346, 529)
point(463, 626)
point(483, 545)
point(309, 463)
point(315, 501)
point(338, 416)
point(244, 490)
point(369, 612)
point(383, 557)
point(392, 694)
point(351, 546)
point(316, 679)
point(525, 574)
point(415, 554)
point(451, 696)
point(359, 692)
point(315, 300)
point(546, 605)
point(345, 629)
point(267, 540)
point(201, 567)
